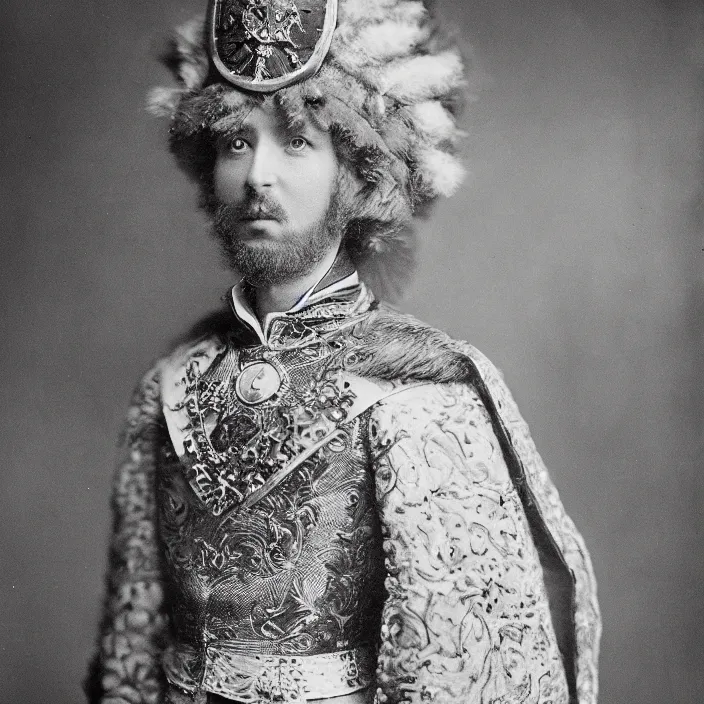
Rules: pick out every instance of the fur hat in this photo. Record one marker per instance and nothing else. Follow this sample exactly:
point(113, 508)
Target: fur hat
point(389, 91)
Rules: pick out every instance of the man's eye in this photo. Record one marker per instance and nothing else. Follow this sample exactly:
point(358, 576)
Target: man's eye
point(298, 144)
point(237, 146)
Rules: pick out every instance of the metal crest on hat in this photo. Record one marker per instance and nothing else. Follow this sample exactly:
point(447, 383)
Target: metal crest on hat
point(264, 45)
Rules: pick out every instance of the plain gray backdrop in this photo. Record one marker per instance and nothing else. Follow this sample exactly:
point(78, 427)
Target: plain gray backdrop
point(572, 257)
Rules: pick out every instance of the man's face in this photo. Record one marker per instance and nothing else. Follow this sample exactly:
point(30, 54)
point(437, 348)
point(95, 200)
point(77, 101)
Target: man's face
point(274, 188)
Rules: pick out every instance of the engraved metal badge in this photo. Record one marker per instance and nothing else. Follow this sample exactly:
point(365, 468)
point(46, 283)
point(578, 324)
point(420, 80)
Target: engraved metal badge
point(264, 45)
point(257, 382)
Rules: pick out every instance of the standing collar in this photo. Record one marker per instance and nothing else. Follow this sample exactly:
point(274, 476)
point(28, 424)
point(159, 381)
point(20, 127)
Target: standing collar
point(348, 286)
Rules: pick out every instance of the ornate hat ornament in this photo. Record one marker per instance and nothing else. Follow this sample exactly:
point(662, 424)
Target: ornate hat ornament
point(380, 75)
point(264, 45)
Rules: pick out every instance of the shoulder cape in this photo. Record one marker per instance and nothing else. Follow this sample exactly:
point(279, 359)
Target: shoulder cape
point(403, 348)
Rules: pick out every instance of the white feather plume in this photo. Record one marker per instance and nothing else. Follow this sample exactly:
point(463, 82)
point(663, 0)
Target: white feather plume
point(162, 102)
point(431, 118)
point(354, 11)
point(190, 46)
point(421, 77)
point(409, 11)
point(440, 171)
point(377, 43)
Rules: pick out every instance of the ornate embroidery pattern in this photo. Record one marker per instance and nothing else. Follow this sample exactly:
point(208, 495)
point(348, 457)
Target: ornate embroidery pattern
point(571, 543)
point(406, 348)
point(299, 571)
point(248, 443)
point(466, 618)
point(134, 622)
point(267, 44)
point(434, 573)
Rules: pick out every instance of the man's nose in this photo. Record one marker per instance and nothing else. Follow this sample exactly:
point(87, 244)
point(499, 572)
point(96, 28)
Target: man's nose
point(263, 166)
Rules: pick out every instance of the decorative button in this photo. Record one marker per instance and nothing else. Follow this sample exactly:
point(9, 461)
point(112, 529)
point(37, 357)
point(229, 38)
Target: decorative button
point(257, 382)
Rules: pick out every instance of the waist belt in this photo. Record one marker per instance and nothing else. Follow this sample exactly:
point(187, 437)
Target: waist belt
point(282, 678)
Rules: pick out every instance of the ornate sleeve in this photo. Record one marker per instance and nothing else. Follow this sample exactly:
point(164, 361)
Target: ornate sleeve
point(466, 618)
point(126, 668)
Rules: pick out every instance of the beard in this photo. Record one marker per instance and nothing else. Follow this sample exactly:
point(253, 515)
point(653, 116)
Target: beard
point(294, 253)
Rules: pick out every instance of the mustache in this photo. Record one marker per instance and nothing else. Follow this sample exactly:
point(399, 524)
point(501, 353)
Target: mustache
point(255, 206)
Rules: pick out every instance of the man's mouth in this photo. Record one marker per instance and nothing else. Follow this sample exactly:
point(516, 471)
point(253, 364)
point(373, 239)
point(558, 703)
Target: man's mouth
point(258, 213)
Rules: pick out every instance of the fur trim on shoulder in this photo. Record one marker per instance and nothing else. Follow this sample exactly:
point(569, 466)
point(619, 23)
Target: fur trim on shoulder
point(402, 347)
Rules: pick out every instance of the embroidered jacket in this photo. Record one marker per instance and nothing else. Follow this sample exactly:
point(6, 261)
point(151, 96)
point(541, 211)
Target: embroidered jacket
point(396, 443)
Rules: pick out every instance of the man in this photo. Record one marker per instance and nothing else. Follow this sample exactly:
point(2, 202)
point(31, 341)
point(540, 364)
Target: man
point(324, 499)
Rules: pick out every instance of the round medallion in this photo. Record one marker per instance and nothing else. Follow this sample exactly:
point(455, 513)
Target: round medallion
point(257, 382)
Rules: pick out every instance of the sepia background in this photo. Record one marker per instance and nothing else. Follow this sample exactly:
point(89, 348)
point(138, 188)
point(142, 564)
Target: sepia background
point(572, 257)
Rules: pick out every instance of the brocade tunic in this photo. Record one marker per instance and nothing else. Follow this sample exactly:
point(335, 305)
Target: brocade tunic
point(374, 511)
